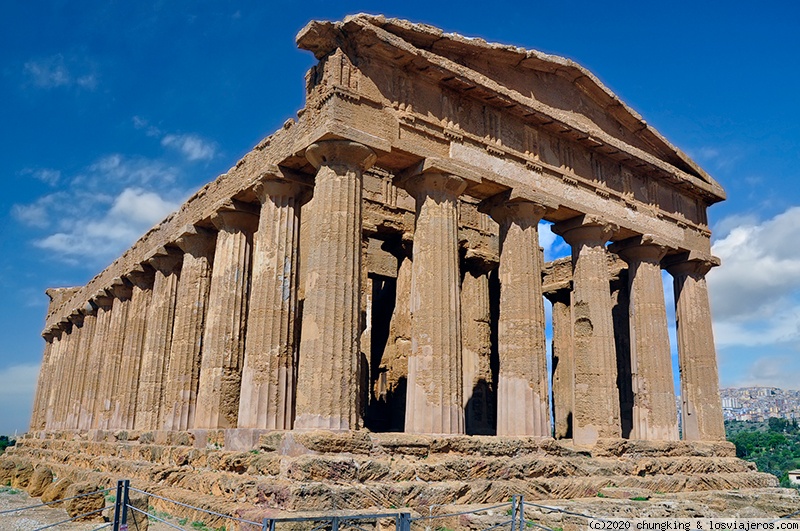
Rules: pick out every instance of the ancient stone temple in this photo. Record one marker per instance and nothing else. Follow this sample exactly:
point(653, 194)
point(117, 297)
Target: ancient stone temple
point(374, 266)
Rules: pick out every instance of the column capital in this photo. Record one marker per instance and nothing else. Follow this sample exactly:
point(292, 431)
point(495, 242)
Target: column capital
point(424, 184)
point(142, 276)
point(522, 212)
point(48, 335)
point(76, 318)
point(102, 299)
point(272, 185)
point(345, 152)
point(585, 228)
point(121, 288)
point(196, 241)
point(645, 248)
point(235, 216)
point(692, 263)
point(166, 259)
point(558, 292)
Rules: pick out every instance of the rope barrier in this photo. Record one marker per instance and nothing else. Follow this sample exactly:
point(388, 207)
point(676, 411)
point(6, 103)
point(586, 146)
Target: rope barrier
point(103, 526)
point(434, 517)
point(55, 501)
point(195, 508)
point(74, 518)
point(565, 511)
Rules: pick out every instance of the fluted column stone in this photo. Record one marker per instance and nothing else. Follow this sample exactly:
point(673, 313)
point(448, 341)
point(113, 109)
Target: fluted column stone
point(434, 402)
point(50, 399)
point(523, 405)
point(71, 377)
point(157, 338)
point(183, 370)
point(701, 409)
point(328, 361)
point(654, 411)
point(596, 398)
point(267, 397)
point(562, 364)
point(83, 354)
point(42, 385)
point(478, 394)
point(108, 392)
point(142, 280)
point(62, 364)
point(223, 337)
point(102, 304)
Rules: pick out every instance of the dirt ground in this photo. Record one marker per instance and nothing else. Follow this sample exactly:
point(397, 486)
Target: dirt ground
point(33, 519)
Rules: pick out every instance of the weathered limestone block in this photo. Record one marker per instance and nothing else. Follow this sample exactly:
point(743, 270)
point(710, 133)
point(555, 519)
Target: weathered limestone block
point(108, 390)
point(136, 520)
point(562, 364)
point(142, 279)
point(87, 503)
point(701, 405)
point(523, 405)
point(223, 337)
point(596, 397)
point(654, 411)
point(56, 491)
point(267, 397)
point(434, 401)
point(8, 466)
point(183, 370)
point(157, 338)
point(328, 364)
point(41, 479)
point(101, 305)
point(23, 472)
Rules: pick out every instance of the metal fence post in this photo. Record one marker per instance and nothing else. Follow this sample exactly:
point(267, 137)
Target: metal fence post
point(117, 505)
point(335, 523)
point(123, 524)
point(521, 512)
point(513, 512)
point(402, 522)
point(268, 525)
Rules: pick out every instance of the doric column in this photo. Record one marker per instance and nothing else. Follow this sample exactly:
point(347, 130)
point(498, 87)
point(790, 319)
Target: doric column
point(80, 374)
point(267, 398)
point(478, 394)
point(42, 384)
point(157, 338)
point(328, 364)
point(108, 390)
point(142, 279)
point(50, 400)
point(596, 398)
point(620, 310)
point(701, 405)
point(434, 402)
point(562, 365)
point(102, 306)
point(58, 392)
point(654, 412)
point(223, 337)
point(69, 378)
point(523, 405)
point(183, 370)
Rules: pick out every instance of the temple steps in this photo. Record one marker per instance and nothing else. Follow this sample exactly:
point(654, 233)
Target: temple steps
point(320, 470)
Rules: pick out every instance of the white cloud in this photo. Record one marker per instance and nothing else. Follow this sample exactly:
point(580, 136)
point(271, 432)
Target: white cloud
point(34, 215)
point(772, 371)
point(755, 295)
point(46, 175)
point(54, 72)
point(120, 170)
point(17, 385)
point(191, 146)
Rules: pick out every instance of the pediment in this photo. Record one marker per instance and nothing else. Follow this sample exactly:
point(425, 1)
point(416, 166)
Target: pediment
point(551, 91)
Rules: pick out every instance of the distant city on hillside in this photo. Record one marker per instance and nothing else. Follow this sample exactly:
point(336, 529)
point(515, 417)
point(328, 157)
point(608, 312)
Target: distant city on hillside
point(760, 403)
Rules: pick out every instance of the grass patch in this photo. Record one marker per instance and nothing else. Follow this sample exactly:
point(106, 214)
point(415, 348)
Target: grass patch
point(9, 490)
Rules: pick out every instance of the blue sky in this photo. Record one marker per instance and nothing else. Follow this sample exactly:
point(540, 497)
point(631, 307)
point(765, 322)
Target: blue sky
point(112, 113)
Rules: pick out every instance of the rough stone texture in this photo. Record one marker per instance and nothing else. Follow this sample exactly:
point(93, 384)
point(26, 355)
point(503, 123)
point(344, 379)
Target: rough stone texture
point(183, 369)
point(56, 491)
point(41, 479)
point(23, 472)
point(133, 349)
point(523, 406)
point(267, 397)
point(89, 503)
point(476, 339)
point(223, 337)
point(108, 404)
point(328, 364)
point(654, 411)
point(434, 400)
point(596, 399)
point(701, 408)
point(136, 520)
point(157, 338)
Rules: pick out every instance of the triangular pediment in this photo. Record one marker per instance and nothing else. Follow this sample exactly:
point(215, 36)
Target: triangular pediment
point(556, 91)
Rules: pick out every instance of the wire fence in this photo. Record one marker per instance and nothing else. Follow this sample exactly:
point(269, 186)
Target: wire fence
point(511, 515)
